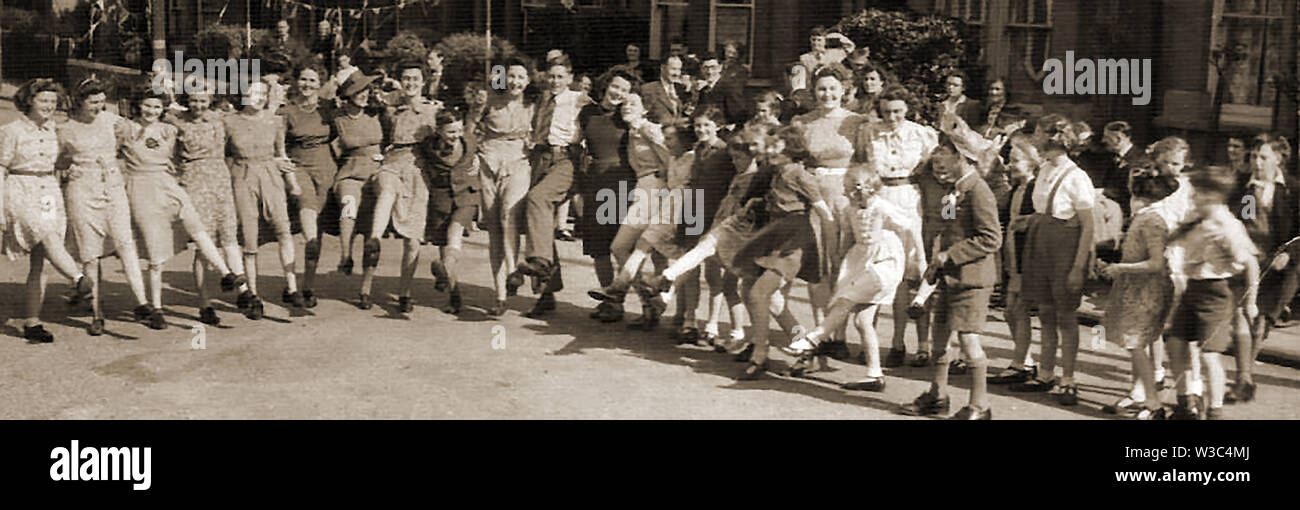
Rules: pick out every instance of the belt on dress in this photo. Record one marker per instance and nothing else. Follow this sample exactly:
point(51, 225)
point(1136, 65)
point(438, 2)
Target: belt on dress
point(830, 172)
point(896, 181)
point(30, 173)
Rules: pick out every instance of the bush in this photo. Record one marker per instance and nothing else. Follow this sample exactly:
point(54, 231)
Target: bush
point(23, 21)
point(919, 50)
point(224, 41)
point(406, 45)
point(463, 58)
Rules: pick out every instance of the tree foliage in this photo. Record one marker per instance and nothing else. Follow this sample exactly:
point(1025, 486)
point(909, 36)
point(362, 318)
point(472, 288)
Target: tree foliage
point(464, 57)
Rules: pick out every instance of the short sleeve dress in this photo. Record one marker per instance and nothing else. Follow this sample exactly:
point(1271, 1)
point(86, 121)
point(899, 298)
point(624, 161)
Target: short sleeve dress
point(407, 128)
point(308, 132)
point(790, 241)
point(98, 209)
point(157, 200)
point(201, 153)
point(258, 182)
point(33, 205)
point(359, 139)
point(873, 267)
point(1139, 302)
point(606, 137)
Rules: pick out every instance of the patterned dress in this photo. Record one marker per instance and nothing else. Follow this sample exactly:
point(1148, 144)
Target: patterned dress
point(406, 129)
point(201, 151)
point(1139, 302)
point(33, 202)
point(98, 209)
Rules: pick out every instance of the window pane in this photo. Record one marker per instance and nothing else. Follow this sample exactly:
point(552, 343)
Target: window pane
point(672, 27)
point(1019, 11)
point(1243, 6)
point(1040, 12)
point(736, 2)
point(1253, 42)
point(977, 10)
point(733, 25)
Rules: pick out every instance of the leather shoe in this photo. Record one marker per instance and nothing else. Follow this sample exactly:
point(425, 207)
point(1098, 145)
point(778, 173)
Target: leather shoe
point(894, 359)
point(872, 384)
point(38, 334)
point(926, 405)
point(753, 371)
point(972, 413)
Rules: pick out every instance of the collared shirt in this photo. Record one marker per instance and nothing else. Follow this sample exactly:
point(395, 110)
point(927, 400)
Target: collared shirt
point(896, 153)
point(813, 61)
point(28, 147)
point(563, 128)
point(410, 122)
point(1074, 194)
point(1216, 247)
point(1265, 189)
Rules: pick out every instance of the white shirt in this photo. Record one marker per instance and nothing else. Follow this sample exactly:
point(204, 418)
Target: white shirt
point(897, 153)
point(563, 130)
point(1075, 194)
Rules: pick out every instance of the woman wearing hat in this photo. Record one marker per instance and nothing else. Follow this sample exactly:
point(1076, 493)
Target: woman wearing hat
point(358, 138)
point(32, 216)
point(260, 173)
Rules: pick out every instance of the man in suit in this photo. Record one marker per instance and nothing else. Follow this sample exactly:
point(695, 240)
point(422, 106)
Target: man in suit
point(970, 110)
point(665, 98)
point(727, 95)
point(1116, 138)
point(964, 268)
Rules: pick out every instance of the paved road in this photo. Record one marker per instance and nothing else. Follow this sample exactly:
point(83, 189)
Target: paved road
point(343, 362)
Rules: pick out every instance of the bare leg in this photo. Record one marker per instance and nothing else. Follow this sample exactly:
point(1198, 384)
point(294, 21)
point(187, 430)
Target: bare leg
point(970, 343)
point(131, 266)
point(92, 272)
point(285, 240)
point(309, 218)
point(36, 280)
point(497, 259)
point(250, 264)
point(1067, 321)
point(200, 277)
point(865, 320)
point(410, 259)
point(760, 296)
point(1047, 357)
point(1144, 378)
point(52, 248)
point(155, 284)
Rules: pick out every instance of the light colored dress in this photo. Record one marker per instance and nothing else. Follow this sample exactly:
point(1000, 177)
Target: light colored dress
point(873, 267)
point(98, 208)
point(1139, 302)
point(504, 168)
point(406, 129)
point(895, 155)
point(157, 200)
point(201, 153)
point(258, 182)
point(33, 207)
point(830, 142)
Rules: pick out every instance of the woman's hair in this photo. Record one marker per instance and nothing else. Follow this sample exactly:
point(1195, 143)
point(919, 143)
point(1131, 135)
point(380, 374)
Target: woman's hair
point(1061, 133)
point(771, 99)
point(25, 97)
point(1168, 145)
point(448, 116)
point(895, 93)
point(795, 140)
point(244, 104)
point(144, 93)
point(311, 66)
point(1213, 180)
point(1006, 91)
point(837, 71)
point(1148, 183)
point(412, 63)
point(713, 113)
point(85, 89)
point(1275, 141)
point(749, 134)
point(863, 175)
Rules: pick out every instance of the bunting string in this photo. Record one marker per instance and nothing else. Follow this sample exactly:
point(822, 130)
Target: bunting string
point(355, 13)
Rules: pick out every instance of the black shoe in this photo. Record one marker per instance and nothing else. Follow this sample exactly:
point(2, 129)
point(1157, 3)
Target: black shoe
point(926, 405)
point(255, 309)
point(37, 334)
point(208, 315)
point(232, 281)
point(894, 359)
point(1189, 408)
point(404, 304)
point(1125, 405)
point(363, 302)
point(836, 349)
point(513, 282)
point(345, 266)
point(497, 309)
point(245, 298)
point(143, 312)
point(922, 359)
point(440, 280)
point(1240, 393)
point(745, 354)
point(644, 323)
point(802, 366)
point(308, 298)
point(872, 384)
point(286, 297)
point(83, 289)
point(752, 372)
point(96, 327)
point(544, 304)
point(959, 367)
point(1034, 385)
point(1069, 395)
point(972, 413)
point(156, 319)
point(687, 335)
point(610, 313)
point(1016, 376)
point(453, 303)
point(536, 267)
point(613, 293)
point(1152, 414)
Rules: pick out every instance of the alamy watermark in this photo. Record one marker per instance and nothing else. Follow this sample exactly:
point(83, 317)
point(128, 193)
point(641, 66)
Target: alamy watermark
point(193, 75)
point(1106, 76)
point(654, 206)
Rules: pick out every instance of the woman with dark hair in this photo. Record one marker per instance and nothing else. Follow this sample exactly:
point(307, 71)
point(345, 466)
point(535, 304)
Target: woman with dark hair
point(897, 148)
point(158, 202)
point(605, 133)
point(870, 82)
point(991, 118)
point(505, 123)
point(829, 129)
point(33, 220)
point(403, 199)
point(1141, 294)
point(308, 134)
point(98, 209)
point(358, 137)
point(201, 157)
point(260, 173)
point(956, 101)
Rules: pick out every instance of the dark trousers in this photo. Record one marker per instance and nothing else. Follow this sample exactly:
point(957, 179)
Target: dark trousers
point(553, 176)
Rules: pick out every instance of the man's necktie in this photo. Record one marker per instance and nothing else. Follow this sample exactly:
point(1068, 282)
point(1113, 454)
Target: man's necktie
point(543, 128)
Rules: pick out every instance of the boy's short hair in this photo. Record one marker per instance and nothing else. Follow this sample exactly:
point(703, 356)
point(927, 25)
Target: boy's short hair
point(1213, 180)
point(1280, 145)
point(1120, 126)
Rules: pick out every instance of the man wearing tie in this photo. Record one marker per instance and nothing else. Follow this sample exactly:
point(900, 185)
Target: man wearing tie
point(1116, 137)
point(555, 131)
point(726, 94)
point(664, 97)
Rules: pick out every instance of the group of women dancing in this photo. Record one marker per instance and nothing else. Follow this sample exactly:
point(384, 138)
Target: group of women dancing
point(827, 182)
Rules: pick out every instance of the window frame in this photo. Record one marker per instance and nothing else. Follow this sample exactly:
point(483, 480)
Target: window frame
point(947, 8)
point(749, 5)
point(658, 48)
point(1270, 21)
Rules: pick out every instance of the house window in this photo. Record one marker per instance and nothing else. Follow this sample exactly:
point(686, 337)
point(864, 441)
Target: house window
point(732, 20)
point(1029, 31)
point(970, 11)
point(1251, 36)
point(667, 25)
